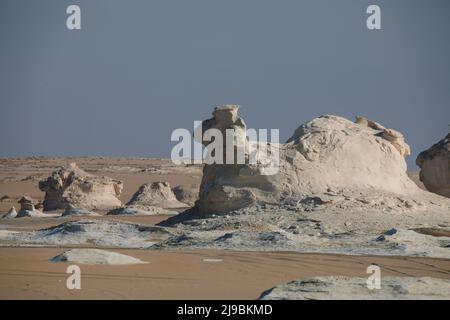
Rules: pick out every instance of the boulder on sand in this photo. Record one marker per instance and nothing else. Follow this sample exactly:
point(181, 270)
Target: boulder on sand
point(72, 185)
point(96, 256)
point(327, 153)
point(434, 166)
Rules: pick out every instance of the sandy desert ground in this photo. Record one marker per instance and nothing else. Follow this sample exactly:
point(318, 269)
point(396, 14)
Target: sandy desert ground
point(184, 273)
point(26, 273)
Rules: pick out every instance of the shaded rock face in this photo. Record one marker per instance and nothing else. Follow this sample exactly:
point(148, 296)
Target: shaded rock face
point(329, 153)
point(26, 203)
point(187, 194)
point(72, 185)
point(156, 194)
point(434, 166)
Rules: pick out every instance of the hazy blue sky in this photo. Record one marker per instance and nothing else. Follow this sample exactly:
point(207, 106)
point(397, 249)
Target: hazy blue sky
point(139, 69)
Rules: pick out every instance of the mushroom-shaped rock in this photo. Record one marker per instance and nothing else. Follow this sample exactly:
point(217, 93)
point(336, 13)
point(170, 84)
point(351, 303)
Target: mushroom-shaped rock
point(434, 166)
point(72, 185)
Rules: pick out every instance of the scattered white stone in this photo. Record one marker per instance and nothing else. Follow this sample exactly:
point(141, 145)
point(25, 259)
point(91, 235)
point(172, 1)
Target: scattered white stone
point(74, 211)
point(102, 233)
point(139, 210)
point(350, 288)
point(96, 256)
point(11, 214)
point(212, 260)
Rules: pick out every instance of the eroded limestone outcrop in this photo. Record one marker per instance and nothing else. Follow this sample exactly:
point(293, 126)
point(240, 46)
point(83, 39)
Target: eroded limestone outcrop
point(157, 194)
point(72, 185)
point(328, 153)
point(434, 166)
point(27, 208)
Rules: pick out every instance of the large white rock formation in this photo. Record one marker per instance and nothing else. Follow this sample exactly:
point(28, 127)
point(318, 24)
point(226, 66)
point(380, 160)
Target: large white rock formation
point(435, 167)
point(72, 185)
point(326, 154)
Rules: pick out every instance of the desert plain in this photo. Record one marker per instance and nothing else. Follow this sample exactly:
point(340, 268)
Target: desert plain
point(28, 273)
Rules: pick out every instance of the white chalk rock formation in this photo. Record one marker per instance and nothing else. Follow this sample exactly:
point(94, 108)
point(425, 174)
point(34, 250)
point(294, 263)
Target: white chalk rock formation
point(96, 256)
point(27, 208)
point(327, 153)
point(434, 166)
point(11, 214)
point(156, 198)
point(156, 194)
point(72, 185)
point(350, 288)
